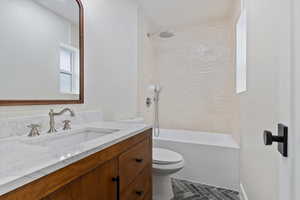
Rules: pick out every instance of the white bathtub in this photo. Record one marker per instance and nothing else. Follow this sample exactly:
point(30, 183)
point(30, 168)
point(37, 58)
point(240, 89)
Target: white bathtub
point(210, 158)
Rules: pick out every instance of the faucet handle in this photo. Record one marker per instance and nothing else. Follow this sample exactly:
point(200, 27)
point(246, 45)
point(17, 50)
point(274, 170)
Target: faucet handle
point(34, 126)
point(67, 125)
point(34, 130)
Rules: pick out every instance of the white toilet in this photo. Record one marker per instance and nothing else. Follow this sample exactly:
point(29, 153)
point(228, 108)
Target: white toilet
point(165, 163)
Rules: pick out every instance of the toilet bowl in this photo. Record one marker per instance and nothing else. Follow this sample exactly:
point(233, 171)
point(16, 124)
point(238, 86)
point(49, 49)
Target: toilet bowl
point(165, 163)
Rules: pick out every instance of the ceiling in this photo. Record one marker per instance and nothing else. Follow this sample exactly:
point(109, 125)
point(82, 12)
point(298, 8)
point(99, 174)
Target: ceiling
point(172, 13)
point(65, 8)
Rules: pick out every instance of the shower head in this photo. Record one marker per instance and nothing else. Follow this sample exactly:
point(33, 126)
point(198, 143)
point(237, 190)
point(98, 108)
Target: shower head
point(166, 34)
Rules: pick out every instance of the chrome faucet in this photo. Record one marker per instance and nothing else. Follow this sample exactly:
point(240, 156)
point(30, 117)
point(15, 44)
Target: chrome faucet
point(52, 114)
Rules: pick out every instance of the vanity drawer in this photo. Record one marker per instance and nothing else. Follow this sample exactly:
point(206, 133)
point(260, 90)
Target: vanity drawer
point(133, 161)
point(140, 188)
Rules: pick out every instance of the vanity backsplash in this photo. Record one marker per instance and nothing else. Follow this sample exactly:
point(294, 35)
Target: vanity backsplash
point(18, 126)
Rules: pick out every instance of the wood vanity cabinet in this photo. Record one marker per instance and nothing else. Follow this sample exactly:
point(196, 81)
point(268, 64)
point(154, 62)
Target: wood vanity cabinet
point(120, 172)
point(96, 184)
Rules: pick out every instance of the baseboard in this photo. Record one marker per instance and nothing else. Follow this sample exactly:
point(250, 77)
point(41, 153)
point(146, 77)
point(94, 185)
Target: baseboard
point(243, 194)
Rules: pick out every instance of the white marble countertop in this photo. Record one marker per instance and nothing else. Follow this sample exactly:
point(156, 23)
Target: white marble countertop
point(22, 163)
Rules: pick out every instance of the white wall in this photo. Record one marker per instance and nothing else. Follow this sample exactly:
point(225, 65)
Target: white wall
point(196, 70)
point(296, 92)
point(110, 61)
point(111, 53)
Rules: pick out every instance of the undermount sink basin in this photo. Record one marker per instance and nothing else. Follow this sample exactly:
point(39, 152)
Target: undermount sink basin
point(69, 138)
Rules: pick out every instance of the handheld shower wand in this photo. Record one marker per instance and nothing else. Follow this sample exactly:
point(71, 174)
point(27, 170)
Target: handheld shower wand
point(156, 89)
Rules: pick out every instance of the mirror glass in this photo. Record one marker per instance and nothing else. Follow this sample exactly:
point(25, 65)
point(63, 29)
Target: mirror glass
point(39, 50)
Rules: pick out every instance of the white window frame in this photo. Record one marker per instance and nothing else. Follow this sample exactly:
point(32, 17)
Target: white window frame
point(241, 53)
point(74, 55)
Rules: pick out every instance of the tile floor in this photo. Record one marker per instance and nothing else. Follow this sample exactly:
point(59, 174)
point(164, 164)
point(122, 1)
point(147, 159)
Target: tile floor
point(185, 190)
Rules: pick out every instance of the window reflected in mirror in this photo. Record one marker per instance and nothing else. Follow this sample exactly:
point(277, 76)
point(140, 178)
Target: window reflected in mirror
point(69, 70)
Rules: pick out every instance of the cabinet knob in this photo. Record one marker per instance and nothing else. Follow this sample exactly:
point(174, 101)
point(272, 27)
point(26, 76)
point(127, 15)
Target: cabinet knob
point(139, 160)
point(140, 193)
point(116, 179)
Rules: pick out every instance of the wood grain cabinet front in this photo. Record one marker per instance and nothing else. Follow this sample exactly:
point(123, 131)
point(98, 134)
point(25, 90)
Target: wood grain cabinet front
point(148, 196)
point(119, 172)
point(139, 188)
point(133, 161)
point(95, 185)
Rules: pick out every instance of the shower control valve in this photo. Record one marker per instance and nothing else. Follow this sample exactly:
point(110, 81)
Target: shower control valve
point(148, 102)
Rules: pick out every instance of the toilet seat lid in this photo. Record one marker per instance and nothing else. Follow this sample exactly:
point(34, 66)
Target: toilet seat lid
point(165, 156)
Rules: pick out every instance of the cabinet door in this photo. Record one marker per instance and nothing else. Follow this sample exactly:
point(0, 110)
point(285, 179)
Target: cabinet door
point(99, 184)
point(148, 196)
point(69, 192)
point(95, 185)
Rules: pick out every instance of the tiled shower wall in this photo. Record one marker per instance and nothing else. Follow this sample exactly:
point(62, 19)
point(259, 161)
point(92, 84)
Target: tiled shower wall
point(196, 71)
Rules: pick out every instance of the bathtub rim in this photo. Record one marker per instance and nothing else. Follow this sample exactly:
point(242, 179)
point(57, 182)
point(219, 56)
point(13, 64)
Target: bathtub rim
point(232, 145)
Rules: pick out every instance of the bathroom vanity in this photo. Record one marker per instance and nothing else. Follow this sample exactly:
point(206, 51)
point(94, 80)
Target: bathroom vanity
point(93, 160)
point(116, 167)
